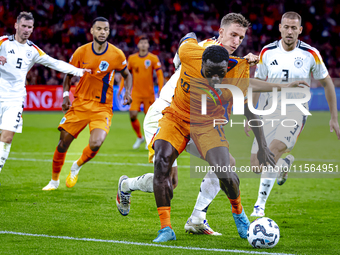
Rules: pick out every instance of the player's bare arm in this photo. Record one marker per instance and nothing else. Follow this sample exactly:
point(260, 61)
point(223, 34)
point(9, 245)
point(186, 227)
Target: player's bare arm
point(3, 60)
point(128, 86)
point(262, 86)
point(328, 85)
point(264, 155)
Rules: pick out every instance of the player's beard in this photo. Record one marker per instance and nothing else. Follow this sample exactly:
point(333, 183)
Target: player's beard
point(100, 42)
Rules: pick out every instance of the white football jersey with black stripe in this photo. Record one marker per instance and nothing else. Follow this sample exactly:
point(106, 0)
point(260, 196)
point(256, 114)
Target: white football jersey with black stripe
point(20, 59)
point(280, 66)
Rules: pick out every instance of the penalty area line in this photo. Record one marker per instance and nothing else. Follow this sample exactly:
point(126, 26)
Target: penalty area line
point(140, 244)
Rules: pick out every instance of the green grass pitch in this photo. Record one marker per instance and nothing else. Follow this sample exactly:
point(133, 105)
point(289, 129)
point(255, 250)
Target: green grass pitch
point(306, 209)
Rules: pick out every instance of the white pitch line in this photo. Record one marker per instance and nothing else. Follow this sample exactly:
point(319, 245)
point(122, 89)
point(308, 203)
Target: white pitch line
point(134, 164)
point(91, 162)
point(141, 244)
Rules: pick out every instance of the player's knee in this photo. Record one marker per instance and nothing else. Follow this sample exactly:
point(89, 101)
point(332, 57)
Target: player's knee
point(162, 162)
point(62, 146)
point(95, 145)
point(7, 139)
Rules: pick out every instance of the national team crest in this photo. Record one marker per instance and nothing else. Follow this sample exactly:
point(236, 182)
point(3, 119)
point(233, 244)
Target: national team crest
point(29, 54)
point(298, 62)
point(103, 66)
point(147, 63)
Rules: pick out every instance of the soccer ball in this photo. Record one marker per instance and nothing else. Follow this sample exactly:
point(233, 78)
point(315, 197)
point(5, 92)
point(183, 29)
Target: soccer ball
point(263, 233)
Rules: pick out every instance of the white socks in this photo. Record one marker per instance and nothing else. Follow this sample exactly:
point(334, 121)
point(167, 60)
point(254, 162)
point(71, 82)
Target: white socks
point(142, 183)
point(4, 152)
point(210, 186)
point(267, 184)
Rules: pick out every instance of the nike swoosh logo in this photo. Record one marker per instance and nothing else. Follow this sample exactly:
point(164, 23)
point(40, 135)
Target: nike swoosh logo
point(85, 63)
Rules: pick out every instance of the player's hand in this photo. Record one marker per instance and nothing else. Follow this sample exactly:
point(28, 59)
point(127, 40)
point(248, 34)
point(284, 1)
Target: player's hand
point(86, 70)
point(298, 84)
point(3, 60)
point(334, 125)
point(252, 59)
point(66, 104)
point(265, 156)
point(247, 129)
point(127, 99)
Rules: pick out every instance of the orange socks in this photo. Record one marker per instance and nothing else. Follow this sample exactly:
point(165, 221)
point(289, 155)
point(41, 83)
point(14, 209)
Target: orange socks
point(87, 155)
point(136, 126)
point(164, 216)
point(58, 162)
point(236, 205)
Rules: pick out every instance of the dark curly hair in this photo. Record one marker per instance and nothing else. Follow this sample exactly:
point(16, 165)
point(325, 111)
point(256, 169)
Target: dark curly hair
point(216, 54)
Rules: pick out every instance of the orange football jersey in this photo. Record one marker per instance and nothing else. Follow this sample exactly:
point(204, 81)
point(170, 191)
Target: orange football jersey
point(187, 101)
point(142, 72)
point(97, 86)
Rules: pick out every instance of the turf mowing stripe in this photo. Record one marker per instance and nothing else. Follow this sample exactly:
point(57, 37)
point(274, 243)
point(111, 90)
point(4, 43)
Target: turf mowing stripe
point(182, 156)
point(140, 244)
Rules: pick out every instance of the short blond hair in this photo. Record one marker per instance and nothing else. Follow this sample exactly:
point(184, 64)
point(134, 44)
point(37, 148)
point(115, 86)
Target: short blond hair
point(291, 15)
point(235, 18)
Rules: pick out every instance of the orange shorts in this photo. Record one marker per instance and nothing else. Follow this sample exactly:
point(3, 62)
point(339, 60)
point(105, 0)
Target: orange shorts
point(137, 101)
point(207, 137)
point(81, 114)
point(178, 133)
point(173, 130)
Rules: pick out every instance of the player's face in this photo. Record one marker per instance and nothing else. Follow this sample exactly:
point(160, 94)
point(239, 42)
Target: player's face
point(100, 31)
point(215, 72)
point(290, 30)
point(24, 29)
point(231, 36)
point(143, 45)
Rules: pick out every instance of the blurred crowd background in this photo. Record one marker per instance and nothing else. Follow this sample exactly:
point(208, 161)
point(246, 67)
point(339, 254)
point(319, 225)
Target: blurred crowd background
point(63, 25)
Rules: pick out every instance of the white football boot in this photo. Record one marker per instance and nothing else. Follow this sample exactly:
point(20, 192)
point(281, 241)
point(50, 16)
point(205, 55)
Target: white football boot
point(138, 142)
point(201, 229)
point(52, 185)
point(258, 211)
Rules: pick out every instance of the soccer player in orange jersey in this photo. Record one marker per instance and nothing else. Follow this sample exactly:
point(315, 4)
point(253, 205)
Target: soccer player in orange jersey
point(93, 100)
point(142, 64)
point(183, 120)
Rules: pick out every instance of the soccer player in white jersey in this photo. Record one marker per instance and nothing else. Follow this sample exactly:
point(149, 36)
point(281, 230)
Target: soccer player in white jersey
point(282, 61)
point(17, 56)
point(231, 35)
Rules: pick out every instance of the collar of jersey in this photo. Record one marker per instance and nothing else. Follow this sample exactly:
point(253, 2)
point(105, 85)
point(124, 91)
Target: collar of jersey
point(143, 56)
point(98, 54)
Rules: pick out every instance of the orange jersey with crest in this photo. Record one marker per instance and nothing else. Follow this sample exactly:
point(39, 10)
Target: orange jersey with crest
point(187, 101)
point(142, 73)
point(97, 86)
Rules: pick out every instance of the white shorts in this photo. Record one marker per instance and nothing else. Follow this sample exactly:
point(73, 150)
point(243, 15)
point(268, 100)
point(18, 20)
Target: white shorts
point(283, 129)
point(150, 124)
point(10, 115)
